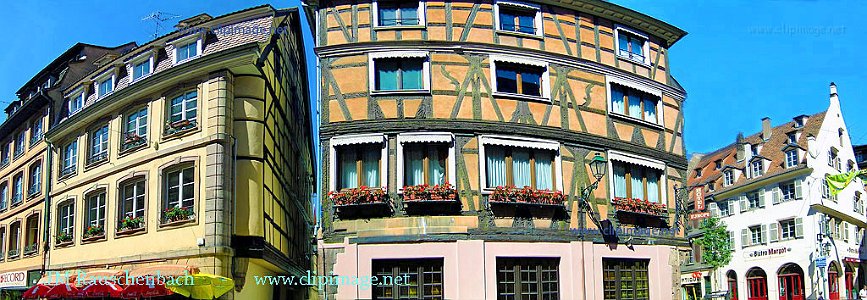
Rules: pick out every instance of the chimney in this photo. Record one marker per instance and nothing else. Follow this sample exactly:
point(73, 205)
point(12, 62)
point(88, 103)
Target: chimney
point(741, 154)
point(766, 128)
point(834, 100)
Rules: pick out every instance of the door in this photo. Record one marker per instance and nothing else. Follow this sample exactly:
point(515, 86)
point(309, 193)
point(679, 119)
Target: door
point(833, 285)
point(791, 287)
point(850, 280)
point(758, 288)
point(733, 289)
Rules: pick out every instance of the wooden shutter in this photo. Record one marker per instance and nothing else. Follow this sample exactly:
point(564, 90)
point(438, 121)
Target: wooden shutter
point(745, 237)
point(731, 205)
point(714, 209)
point(762, 198)
point(798, 193)
point(799, 228)
point(774, 232)
point(764, 234)
point(744, 204)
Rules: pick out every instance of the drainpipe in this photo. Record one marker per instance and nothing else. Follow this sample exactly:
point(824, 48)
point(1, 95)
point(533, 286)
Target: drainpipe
point(47, 212)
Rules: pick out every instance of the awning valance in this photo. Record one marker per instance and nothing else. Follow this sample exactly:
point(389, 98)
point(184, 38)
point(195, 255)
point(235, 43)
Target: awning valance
point(644, 162)
point(358, 139)
point(635, 85)
point(520, 142)
point(519, 60)
point(399, 54)
point(425, 137)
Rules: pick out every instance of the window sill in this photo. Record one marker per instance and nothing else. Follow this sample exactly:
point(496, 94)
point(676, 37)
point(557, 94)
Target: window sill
point(400, 92)
point(180, 133)
point(67, 176)
point(179, 223)
point(64, 245)
point(17, 156)
point(34, 195)
point(520, 34)
point(132, 149)
point(633, 60)
point(95, 163)
point(521, 97)
point(131, 232)
point(93, 239)
point(399, 27)
point(186, 60)
point(30, 254)
point(636, 120)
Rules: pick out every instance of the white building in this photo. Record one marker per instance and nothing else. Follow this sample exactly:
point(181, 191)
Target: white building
point(769, 189)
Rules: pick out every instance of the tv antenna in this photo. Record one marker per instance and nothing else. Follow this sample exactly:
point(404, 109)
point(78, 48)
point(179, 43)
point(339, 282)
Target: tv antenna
point(158, 18)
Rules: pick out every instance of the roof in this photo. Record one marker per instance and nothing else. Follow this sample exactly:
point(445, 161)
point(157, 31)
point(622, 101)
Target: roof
point(772, 150)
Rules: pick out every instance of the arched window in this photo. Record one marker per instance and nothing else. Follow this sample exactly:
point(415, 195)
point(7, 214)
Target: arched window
point(757, 284)
point(14, 240)
point(791, 280)
point(31, 241)
point(732, 284)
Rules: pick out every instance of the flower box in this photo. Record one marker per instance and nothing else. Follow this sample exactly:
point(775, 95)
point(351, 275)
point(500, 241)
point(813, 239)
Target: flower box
point(639, 206)
point(63, 238)
point(357, 196)
point(426, 192)
point(30, 249)
point(179, 126)
point(93, 232)
point(133, 140)
point(13, 253)
point(128, 224)
point(526, 195)
point(177, 215)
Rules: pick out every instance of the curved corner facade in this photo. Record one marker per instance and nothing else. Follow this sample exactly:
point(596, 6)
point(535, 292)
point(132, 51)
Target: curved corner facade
point(457, 137)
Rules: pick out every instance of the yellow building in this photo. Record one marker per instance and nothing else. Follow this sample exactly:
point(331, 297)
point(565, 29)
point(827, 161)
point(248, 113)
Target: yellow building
point(503, 106)
point(191, 150)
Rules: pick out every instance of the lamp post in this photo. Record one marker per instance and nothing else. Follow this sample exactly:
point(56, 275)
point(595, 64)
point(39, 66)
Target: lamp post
point(598, 165)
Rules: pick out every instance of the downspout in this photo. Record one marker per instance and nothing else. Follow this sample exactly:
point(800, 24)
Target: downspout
point(47, 212)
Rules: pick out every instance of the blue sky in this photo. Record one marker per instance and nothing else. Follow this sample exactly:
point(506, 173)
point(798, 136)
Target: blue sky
point(741, 61)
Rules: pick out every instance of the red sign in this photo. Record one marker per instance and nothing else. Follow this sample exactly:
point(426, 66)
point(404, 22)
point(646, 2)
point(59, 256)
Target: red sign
point(699, 215)
point(699, 198)
point(696, 275)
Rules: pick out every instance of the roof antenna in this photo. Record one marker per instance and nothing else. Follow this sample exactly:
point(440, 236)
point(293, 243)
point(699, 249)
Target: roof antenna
point(158, 18)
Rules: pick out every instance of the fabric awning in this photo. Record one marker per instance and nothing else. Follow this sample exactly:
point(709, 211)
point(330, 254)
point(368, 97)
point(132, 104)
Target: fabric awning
point(91, 276)
point(164, 270)
point(644, 162)
point(425, 137)
point(358, 139)
point(520, 142)
point(399, 54)
point(519, 60)
point(635, 85)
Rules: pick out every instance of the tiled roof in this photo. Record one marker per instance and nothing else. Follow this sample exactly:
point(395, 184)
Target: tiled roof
point(770, 150)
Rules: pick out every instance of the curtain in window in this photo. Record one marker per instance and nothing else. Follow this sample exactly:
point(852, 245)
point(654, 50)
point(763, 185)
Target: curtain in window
point(650, 110)
point(414, 167)
point(521, 168)
point(507, 21)
point(637, 46)
point(619, 180)
point(623, 43)
point(507, 79)
point(409, 13)
point(370, 164)
point(527, 23)
point(411, 78)
point(495, 166)
point(634, 105)
point(348, 172)
point(437, 166)
point(637, 184)
point(653, 186)
point(616, 99)
point(543, 170)
point(386, 74)
point(387, 16)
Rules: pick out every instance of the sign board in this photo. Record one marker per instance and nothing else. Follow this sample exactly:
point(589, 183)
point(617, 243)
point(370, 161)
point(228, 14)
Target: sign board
point(692, 278)
point(821, 262)
point(764, 253)
point(699, 198)
point(13, 279)
point(699, 215)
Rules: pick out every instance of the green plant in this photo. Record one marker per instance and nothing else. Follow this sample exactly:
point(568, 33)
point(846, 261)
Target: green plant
point(129, 222)
point(63, 237)
point(527, 195)
point(94, 230)
point(715, 244)
point(360, 195)
point(177, 213)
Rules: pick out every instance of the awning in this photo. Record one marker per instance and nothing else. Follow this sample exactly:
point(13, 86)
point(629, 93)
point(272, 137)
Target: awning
point(164, 270)
point(104, 275)
point(358, 139)
point(520, 142)
point(635, 85)
point(519, 60)
point(203, 286)
point(425, 137)
point(635, 160)
point(399, 54)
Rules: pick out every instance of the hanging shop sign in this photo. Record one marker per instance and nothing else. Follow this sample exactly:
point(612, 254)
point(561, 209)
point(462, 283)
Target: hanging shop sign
point(699, 215)
point(699, 198)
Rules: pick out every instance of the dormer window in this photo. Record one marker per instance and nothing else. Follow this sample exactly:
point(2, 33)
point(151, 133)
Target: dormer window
point(75, 103)
point(711, 186)
point(187, 48)
point(791, 158)
point(697, 172)
point(754, 149)
point(728, 178)
point(757, 168)
point(799, 121)
point(718, 164)
point(792, 138)
point(106, 86)
point(141, 66)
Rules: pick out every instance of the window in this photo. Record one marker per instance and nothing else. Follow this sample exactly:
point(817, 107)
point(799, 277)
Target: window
point(758, 168)
point(717, 164)
point(406, 73)
point(756, 235)
point(625, 279)
point(75, 103)
point(186, 51)
point(180, 187)
point(98, 145)
point(95, 214)
point(399, 13)
point(66, 218)
point(754, 200)
point(425, 164)
point(787, 229)
point(106, 86)
point(636, 182)
point(31, 241)
point(14, 239)
point(518, 17)
point(826, 193)
point(19, 144)
point(697, 172)
point(183, 108)
point(132, 201)
point(631, 45)
point(519, 79)
point(136, 131)
point(528, 278)
point(724, 208)
point(754, 149)
point(35, 179)
point(834, 159)
point(4, 152)
point(791, 138)
point(358, 166)
point(519, 167)
point(858, 203)
point(850, 166)
point(634, 103)
point(70, 159)
point(141, 69)
point(423, 278)
point(4, 196)
point(728, 178)
point(791, 158)
point(2, 243)
point(35, 131)
point(788, 191)
point(17, 189)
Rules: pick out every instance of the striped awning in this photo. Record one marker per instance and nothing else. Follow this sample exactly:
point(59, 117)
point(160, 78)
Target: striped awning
point(630, 159)
point(425, 137)
point(519, 60)
point(520, 142)
point(635, 85)
point(399, 54)
point(358, 139)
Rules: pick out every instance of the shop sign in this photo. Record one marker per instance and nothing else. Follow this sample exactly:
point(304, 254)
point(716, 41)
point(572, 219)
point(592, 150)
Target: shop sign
point(699, 198)
point(699, 215)
point(851, 260)
point(13, 279)
point(692, 278)
point(767, 252)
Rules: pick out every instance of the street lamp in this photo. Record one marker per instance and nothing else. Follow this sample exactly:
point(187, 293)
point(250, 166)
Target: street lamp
point(598, 166)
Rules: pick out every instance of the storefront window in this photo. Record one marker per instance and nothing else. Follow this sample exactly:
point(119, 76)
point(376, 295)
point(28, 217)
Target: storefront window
point(625, 279)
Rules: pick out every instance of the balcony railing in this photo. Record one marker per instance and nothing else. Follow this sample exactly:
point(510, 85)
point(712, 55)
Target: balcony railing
point(180, 126)
point(67, 171)
point(133, 141)
point(16, 199)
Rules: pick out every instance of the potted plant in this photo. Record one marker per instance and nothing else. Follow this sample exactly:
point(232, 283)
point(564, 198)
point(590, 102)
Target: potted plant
point(527, 195)
point(174, 214)
point(94, 231)
point(360, 195)
point(130, 223)
point(443, 191)
point(63, 238)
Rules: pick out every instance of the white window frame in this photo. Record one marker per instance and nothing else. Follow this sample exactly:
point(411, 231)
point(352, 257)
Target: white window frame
point(633, 159)
point(728, 177)
point(545, 79)
point(101, 208)
point(78, 92)
point(166, 202)
point(426, 138)
point(184, 41)
point(67, 206)
point(358, 139)
point(519, 142)
point(537, 20)
point(753, 168)
point(422, 19)
point(99, 79)
point(645, 48)
point(789, 164)
point(425, 71)
point(660, 107)
point(137, 60)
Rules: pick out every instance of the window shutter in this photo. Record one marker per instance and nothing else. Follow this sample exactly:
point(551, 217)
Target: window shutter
point(845, 231)
point(745, 237)
point(775, 194)
point(773, 232)
point(798, 193)
point(764, 234)
point(744, 204)
point(731, 240)
point(762, 198)
point(731, 205)
point(714, 209)
point(799, 228)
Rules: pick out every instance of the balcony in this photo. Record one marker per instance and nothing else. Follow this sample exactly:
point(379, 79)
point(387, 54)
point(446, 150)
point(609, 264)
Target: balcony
point(31, 249)
point(431, 199)
point(132, 141)
point(67, 171)
point(362, 202)
point(179, 126)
